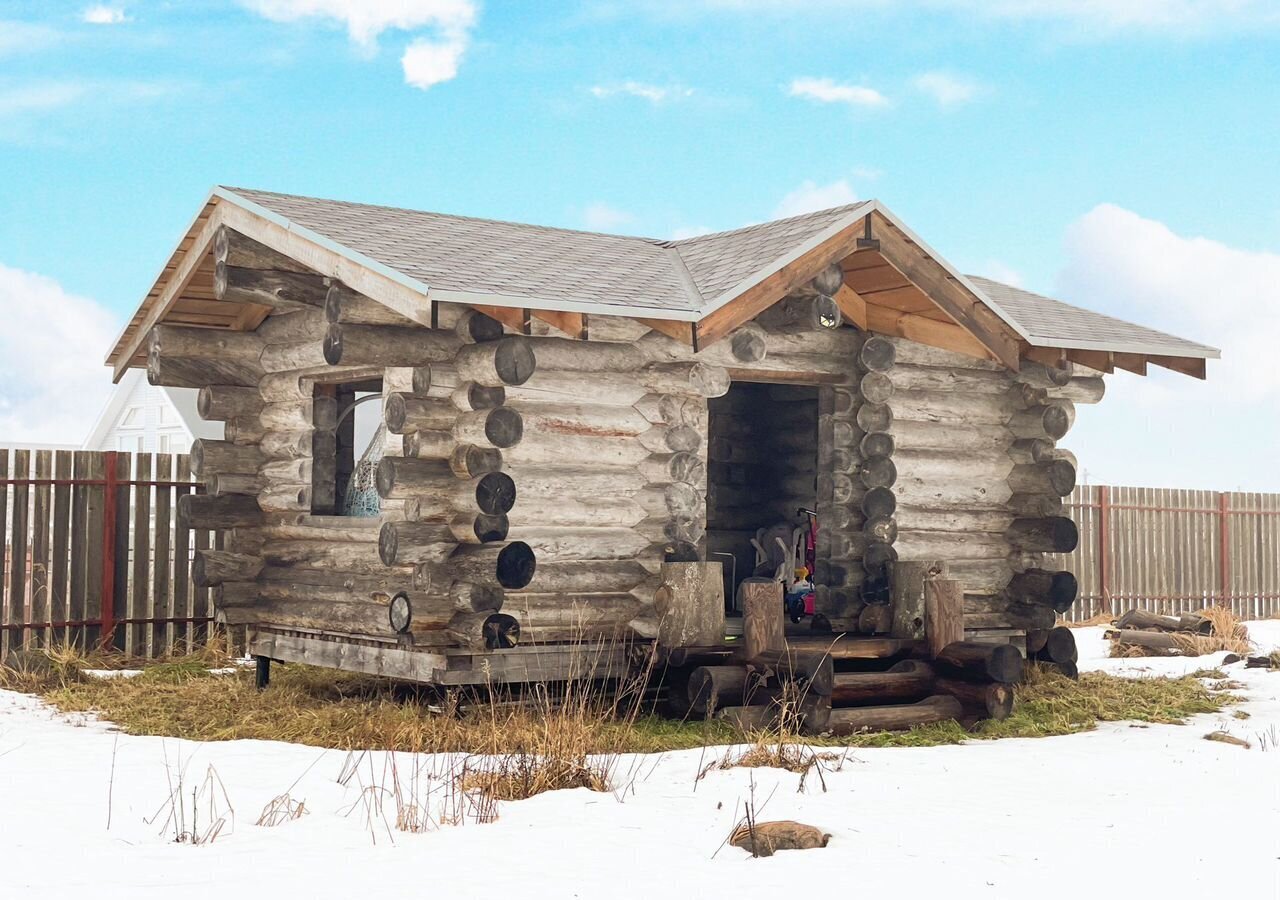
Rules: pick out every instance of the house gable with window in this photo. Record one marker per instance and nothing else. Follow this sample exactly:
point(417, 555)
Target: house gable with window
point(145, 418)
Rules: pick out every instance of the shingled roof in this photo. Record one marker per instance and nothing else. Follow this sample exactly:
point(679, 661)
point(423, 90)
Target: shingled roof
point(459, 259)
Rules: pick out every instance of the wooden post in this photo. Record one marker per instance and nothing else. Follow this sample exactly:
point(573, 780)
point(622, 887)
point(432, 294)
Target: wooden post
point(1224, 546)
point(690, 604)
point(907, 593)
point(1104, 533)
point(109, 551)
point(762, 617)
point(943, 613)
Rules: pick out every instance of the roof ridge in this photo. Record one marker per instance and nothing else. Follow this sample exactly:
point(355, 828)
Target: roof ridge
point(845, 208)
point(444, 215)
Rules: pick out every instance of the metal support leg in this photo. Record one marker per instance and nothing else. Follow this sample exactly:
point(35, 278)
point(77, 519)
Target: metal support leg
point(263, 672)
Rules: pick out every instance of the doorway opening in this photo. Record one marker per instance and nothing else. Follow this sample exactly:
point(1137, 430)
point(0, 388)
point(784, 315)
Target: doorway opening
point(762, 483)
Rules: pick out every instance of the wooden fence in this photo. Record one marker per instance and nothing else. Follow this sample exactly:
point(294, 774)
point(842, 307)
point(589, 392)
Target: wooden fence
point(93, 555)
point(1172, 550)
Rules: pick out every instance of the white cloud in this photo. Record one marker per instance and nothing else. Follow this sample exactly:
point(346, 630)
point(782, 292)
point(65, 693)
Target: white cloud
point(810, 196)
point(1168, 429)
point(26, 37)
point(945, 88)
point(603, 217)
point(427, 60)
point(651, 92)
point(51, 349)
point(1002, 272)
point(824, 90)
point(102, 14)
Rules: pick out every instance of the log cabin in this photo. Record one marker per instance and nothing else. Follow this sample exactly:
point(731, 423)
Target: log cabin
point(589, 439)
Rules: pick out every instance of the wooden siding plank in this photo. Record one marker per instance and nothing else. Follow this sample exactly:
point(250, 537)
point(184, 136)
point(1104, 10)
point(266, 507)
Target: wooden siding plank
point(62, 469)
point(95, 512)
point(18, 562)
point(41, 501)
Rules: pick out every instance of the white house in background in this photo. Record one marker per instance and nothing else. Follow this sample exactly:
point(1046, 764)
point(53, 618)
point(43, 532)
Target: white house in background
point(141, 417)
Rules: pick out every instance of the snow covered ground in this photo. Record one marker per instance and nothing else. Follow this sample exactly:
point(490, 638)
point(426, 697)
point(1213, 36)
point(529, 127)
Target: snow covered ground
point(1122, 811)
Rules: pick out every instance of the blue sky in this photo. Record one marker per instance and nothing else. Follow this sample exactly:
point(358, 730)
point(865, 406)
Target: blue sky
point(1030, 140)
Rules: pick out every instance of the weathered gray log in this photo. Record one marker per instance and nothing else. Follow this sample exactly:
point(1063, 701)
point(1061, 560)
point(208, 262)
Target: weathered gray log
point(976, 661)
point(858, 719)
point(485, 630)
point(1057, 590)
point(210, 457)
point(809, 671)
point(286, 445)
point(907, 581)
point(674, 467)
point(216, 513)
point(1041, 375)
point(1056, 534)
point(437, 487)
point(213, 567)
point(371, 616)
point(412, 543)
point(277, 289)
point(943, 613)
point(507, 361)
point(291, 356)
point(568, 543)
point(982, 611)
point(609, 576)
point(475, 327)
point(876, 443)
point(879, 501)
point(747, 343)
point(762, 616)
point(299, 415)
point(386, 345)
point(988, 701)
point(846, 647)
point(713, 687)
point(500, 427)
point(344, 306)
point(511, 566)
point(1060, 647)
point(877, 354)
point(803, 314)
point(1085, 389)
point(1052, 421)
point(1055, 477)
point(349, 557)
point(1035, 506)
point(908, 679)
point(875, 387)
point(221, 402)
point(881, 528)
point(689, 604)
point(236, 249)
point(875, 618)
point(186, 342)
point(173, 371)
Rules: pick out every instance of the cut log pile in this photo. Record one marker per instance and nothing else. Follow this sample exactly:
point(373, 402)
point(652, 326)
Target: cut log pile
point(1141, 633)
point(844, 683)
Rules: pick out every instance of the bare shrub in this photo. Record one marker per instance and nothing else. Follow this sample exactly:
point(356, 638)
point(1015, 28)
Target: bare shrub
point(197, 818)
point(280, 810)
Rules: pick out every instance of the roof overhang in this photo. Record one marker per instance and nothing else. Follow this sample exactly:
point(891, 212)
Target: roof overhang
point(895, 284)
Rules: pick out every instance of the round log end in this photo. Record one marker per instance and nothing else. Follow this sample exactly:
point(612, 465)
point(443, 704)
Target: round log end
point(501, 632)
point(683, 438)
point(395, 413)
point(882, 529)
point(874, 417)
point(877, 354)
point(878, 502)
point(514, 360)
point(470, 461)
point(199, 577)
point(503, 427)
point(385, 476)
point(220, 279)
point(490, 529)
point(709, 381)
point(400, 613)
point(1000, 701)
point(495, 493)
point(826, 313)
point(204, 402)
point(679, 551)
point(876, 387)
point(878, 472)
point(479, 328)
point(517, 564)
point(333, 305)
point(748, 344)
point(877, 443)
point(221, 244)
point(1057, 422)
point(1063, 590)
point(196, 458)
point(877, 556)
point(1060, 647)
point(1062, 476)
point(829, 280)
point(332, 346)
point(388, 543)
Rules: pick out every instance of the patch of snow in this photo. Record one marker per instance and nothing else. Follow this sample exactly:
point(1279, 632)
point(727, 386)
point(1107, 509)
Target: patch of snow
point(1055, 817)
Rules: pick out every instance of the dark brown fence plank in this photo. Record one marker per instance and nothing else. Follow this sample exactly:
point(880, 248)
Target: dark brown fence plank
point(139, 608)
point(62, 470)
point(184, 631)
point(120, 567)
point(79, 536)
point(161, 608)
point(18, 549)
point(200, 596)
point(40, 549)
point(95, 495)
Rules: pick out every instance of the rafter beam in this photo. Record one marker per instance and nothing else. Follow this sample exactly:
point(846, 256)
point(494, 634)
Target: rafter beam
point(1131, 362)
point(1187, 365)
point(956, 301)
point(677, 331)
point(921, 329)
point(852, 306)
